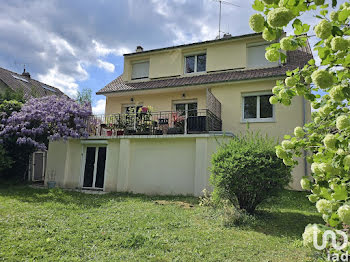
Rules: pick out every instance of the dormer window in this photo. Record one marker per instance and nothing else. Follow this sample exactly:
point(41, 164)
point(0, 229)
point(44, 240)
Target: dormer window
point(195, 63)
point(140, 70)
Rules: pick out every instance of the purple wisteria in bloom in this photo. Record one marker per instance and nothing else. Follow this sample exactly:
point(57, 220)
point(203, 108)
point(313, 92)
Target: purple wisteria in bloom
point(44, 118)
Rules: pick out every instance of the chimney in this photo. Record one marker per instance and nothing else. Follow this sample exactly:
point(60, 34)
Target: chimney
point(25, 73)
point(227, 35)
point(139, 49)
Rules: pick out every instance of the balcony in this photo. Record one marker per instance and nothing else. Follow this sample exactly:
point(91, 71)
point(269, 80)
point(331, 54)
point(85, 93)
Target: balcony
point(145, 122)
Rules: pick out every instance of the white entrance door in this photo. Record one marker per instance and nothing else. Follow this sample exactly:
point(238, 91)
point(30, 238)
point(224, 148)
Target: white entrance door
point(94, 170)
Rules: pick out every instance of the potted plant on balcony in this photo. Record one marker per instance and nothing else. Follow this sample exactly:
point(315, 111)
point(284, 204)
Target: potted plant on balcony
point(130, 121)
point(144, 121)
point(120, 126)
point(179, 122)
point(109, 128)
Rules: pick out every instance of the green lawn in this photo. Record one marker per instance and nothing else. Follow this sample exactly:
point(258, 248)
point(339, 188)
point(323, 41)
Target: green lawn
point(42, 225)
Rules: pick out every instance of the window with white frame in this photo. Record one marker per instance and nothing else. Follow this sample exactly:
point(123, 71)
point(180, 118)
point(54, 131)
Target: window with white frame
point(131, 108)
point(140, 70)
point(256, 56)
point(195, 63)
point(257, 108)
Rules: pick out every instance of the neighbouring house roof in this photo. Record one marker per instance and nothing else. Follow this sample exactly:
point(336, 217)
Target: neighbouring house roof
point(23, 82)
point(297, 58)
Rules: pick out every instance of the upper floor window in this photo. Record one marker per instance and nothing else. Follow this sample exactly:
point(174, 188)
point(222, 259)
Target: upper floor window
point(257, 108)
point(140, 70)
point(256, 56)
point(195, 63)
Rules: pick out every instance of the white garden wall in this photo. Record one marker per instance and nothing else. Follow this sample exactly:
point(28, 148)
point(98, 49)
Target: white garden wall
point(173, 164)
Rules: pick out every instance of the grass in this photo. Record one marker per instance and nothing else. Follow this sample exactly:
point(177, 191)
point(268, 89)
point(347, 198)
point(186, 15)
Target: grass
point(43, 225)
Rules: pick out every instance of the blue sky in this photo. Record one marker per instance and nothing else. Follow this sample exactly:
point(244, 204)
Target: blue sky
point(79, 44)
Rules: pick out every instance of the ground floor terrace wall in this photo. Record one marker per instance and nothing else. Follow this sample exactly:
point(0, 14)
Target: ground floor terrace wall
point(168, 164)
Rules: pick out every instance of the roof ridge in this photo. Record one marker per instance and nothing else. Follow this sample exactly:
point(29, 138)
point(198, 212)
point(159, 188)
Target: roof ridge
point(194, 43)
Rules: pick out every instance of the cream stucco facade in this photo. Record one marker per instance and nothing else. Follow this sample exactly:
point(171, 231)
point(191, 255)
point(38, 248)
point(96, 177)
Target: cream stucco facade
point(286, 118)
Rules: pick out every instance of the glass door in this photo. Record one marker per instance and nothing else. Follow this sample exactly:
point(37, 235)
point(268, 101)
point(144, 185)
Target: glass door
point(186, 110)
point(94, 171)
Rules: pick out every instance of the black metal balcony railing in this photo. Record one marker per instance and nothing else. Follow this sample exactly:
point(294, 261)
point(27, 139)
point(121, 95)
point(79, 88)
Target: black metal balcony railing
point(154, 123)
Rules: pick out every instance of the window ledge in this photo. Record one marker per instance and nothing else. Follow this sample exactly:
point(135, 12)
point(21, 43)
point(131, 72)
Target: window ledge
point(244, 121)
point(195, 73)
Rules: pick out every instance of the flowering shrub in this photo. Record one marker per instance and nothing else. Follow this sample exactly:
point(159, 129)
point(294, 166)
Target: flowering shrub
point(322, 78)
point(326, 139)
point(272, 55)
point(279, 17)
point(269, 35)
point(45, 118)
point(256, 23)
point(339, 44)
point(287, 44)
point(323, 29)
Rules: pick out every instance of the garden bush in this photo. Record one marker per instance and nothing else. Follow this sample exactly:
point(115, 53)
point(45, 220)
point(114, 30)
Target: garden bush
point(246, 171)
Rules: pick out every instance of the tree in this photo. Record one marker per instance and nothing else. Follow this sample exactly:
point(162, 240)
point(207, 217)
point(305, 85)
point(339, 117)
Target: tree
point(84, 96)
point(327, 138)
point(41, 119)
point(10, 102)
point(38, 121)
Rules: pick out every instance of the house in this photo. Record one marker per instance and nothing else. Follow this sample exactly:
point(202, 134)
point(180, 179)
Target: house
point(24, 83)
point(29, 87)
point(171, 108)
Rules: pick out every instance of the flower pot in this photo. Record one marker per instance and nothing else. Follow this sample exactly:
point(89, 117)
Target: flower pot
point(109, 132)
point(51, 184)
point(120, 132)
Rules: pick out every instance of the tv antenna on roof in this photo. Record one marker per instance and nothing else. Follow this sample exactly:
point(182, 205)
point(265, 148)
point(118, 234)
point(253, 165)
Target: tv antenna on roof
point(21, 65)
point(220, 3)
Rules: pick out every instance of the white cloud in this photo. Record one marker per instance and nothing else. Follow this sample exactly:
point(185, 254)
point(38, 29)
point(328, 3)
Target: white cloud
point(65, 83)
point(62, 46)
point(99, 107)
point(109, 67)
point(102, 50)
point(162, 7)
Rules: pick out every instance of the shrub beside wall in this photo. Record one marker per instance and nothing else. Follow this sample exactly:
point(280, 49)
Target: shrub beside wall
point(246, 171)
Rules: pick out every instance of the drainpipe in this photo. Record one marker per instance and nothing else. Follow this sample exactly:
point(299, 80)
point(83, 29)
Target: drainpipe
point(304, 122)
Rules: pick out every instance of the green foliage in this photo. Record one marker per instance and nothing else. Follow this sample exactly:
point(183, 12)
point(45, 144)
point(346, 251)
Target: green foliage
point(84, 96)
point(5, 160)
point(246, 171)
point(7, 107)
point(10, 101)
point(9, 94)
point(326, 139)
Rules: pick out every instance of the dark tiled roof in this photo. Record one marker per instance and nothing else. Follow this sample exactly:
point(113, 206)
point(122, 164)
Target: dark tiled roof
point(30, 87)
point(295, 59)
